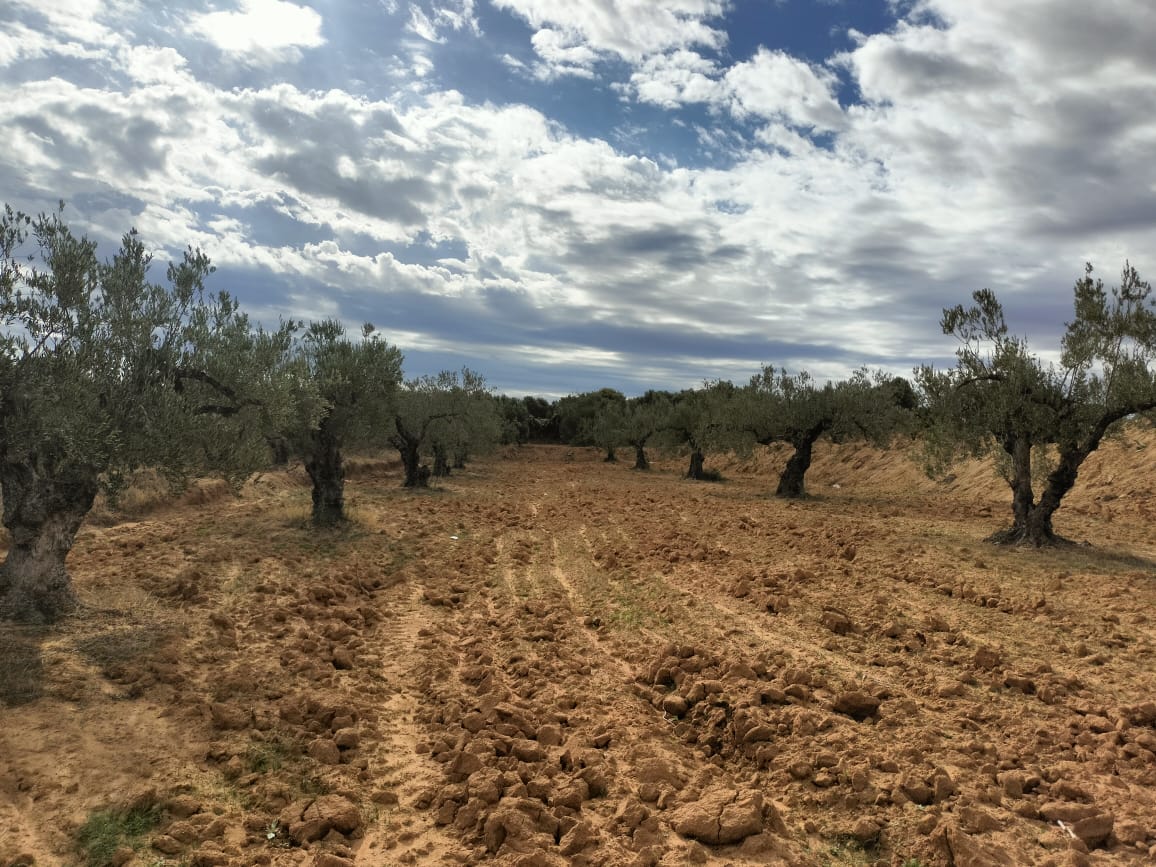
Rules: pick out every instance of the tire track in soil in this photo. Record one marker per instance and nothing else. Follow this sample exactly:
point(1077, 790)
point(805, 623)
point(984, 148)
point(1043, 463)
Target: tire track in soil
point(406, 835)
point(523, 645)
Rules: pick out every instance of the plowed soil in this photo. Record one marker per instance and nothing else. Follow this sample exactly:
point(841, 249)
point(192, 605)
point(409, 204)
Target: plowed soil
point(553, 660)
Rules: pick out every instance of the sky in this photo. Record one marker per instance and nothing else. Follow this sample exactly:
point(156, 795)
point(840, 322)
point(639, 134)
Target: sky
point(567, 195)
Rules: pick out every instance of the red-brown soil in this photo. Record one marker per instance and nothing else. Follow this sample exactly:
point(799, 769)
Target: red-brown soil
point(559, 661)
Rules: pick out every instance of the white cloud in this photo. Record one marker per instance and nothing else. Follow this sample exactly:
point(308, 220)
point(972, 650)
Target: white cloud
point(630, 30)
point(677, 78)
point(420, 24)
point(459, 15)
point(94, 22)
point(1001, 145)
point(773, 84)
point(263, 31)
point(559, 50)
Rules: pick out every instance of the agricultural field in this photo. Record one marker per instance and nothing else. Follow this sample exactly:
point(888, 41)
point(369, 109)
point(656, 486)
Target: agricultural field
point(551, 660)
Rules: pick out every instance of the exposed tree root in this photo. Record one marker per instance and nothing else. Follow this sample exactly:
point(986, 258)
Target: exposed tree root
point(1021, 537)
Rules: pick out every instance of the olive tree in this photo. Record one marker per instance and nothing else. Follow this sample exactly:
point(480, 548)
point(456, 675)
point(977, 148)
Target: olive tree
point(1042, 419)
point(643, 420)
point(471, 422)
point(103, 372)
point(347, 392)
point(515, 420)
point(604, 429)
point(582, 417)
point(796, 410)
point(440, 412)
point(702, 420)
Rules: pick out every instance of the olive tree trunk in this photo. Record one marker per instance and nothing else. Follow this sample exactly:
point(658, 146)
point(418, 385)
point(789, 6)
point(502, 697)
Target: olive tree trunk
point(43, 511)
point(326, 470)
point(696, 460)
point(416, 475)
point(640, 461)
point(1032, 520)
point(278, 450)
point(791, 480)
point(441, 467)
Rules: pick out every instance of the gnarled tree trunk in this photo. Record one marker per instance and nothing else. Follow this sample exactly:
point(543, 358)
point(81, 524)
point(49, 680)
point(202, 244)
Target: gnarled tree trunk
point(791, 480)
point(611, 457)
point(326, 469)
point(43, 509)
point(1032, 521)
point(408, 445)
point(411, 464)
point(1029, 525)
point(279, 450)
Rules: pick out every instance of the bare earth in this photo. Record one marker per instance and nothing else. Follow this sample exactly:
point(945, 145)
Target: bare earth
point(559, 661)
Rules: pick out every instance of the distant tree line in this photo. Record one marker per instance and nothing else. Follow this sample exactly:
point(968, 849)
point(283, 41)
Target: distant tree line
point(103, 372)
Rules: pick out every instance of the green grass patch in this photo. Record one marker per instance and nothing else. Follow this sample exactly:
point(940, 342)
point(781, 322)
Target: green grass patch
point(265, 757)
point(105, 831)
point(845, 849)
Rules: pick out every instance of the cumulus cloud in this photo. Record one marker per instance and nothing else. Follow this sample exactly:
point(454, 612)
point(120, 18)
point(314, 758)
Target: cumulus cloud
point(628, 30)
point(262, 31)
point(674, 79)
point(979, 143)
point(772, 84)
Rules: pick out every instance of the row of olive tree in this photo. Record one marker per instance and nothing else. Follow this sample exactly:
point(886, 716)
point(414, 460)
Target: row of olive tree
point(1041, 420)
point(103, 372)
point(351, 395)
point(775, 407)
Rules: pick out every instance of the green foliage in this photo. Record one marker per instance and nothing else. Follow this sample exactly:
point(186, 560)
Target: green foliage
point(516, 422)
point(605, 428)
point(453, 413)
point(578, 412)
point(103, 371)
point(105, 831)
point(349, 386)
point(793, 408)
